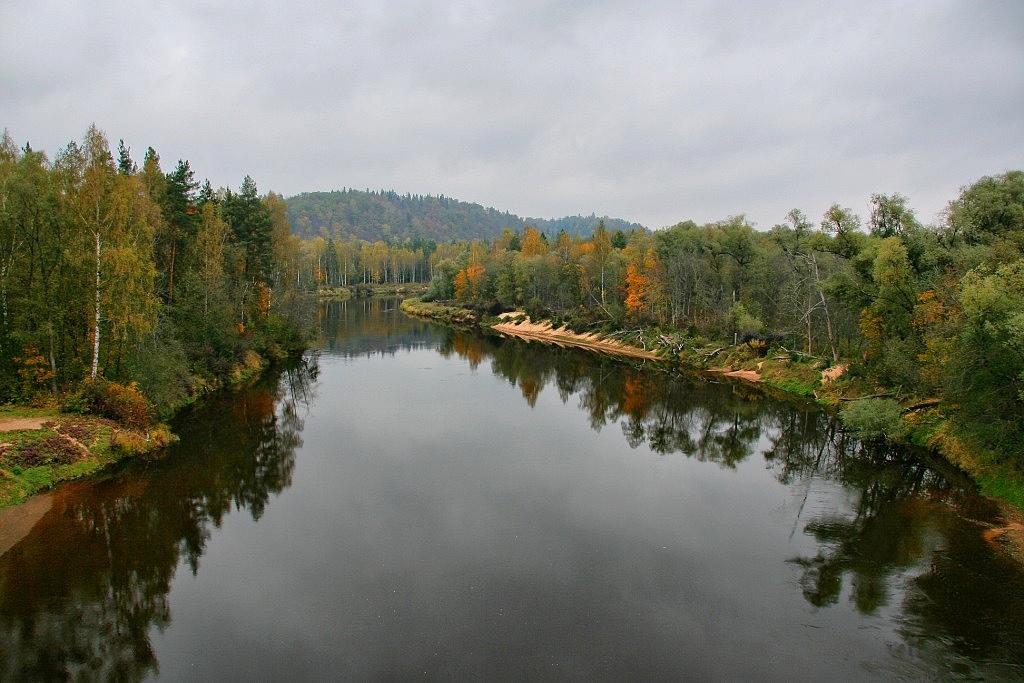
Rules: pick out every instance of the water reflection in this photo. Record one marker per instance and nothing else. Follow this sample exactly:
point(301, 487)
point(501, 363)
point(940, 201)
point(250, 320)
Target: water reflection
point(913, 528)
point(80, 594)
point(370, 326)
point(402, 552)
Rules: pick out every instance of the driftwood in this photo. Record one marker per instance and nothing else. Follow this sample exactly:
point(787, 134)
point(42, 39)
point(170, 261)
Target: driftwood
point(928, 403)
point(674, 344)
point(887, 394)
point(713, 353)
point(798, 353)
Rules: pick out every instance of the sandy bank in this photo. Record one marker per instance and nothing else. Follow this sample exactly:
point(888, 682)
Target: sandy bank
point(17, 521)
point(10, 424)
point(748, 375)
point(547, 333)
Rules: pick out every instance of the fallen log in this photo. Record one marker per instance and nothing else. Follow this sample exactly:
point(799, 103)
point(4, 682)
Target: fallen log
point(928, 403)
point(887, 394)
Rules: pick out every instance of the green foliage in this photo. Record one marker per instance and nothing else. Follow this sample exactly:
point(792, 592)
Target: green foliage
point(741, 321)
point(111, 271)
point(989, 210)
point(393, 218)
point(161, 368)
point(873, 418)
point(251, 227)
point(988, 377)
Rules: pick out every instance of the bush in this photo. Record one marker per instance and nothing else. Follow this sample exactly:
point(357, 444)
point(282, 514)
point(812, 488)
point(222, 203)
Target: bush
point(873, 418)
point(123, 403)
point(162, 368)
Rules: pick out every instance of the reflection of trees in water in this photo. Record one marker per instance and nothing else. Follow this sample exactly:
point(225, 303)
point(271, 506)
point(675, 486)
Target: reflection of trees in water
point(905, 518)
point(907, 535)
point(370, 326)
point(89, 616)
point(892, 523)
point(968, 609)
point(714, 423)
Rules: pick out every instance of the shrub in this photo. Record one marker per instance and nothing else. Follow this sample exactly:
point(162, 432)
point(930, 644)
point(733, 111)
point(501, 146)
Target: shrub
point(873, 418)
point(123, 403)
point(162, 368)
point(47, 449)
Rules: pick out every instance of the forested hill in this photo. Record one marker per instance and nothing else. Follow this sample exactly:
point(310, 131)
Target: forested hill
point(392, 217)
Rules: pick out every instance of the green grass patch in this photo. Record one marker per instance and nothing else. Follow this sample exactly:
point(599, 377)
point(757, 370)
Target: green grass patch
point(27, 411)
point(1005, 486)
point(793, 378)
point(449, 315)
point(33, 480)
point(72, 447)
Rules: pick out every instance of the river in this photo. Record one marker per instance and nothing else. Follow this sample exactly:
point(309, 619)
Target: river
point(416, 503)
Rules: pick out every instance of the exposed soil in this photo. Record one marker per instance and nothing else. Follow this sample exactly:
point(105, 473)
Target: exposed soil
point(1009, 536)
point(562, 336)
point(10, 424)
point(748, 375)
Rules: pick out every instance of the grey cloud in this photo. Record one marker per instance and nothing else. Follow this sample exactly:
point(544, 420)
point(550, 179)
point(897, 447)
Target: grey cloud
point(654, 111)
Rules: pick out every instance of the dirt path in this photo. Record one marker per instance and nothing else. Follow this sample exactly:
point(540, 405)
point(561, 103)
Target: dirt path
point(10, 424)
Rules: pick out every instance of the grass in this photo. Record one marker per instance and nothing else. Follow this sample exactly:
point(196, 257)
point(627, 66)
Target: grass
point(69, 447)
point(1003, 485)
point(450, 315)
point(800, 379)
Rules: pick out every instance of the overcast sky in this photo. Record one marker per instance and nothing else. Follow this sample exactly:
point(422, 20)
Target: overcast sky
point(654, 111)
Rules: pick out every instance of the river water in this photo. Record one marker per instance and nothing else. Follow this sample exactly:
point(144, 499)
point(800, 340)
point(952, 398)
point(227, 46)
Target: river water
point(415, 503)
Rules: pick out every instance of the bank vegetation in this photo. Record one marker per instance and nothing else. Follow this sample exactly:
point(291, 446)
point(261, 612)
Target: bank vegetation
point(912, 332)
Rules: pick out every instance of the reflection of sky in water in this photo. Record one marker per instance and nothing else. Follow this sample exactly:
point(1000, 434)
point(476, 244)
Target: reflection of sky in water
point(438, 523)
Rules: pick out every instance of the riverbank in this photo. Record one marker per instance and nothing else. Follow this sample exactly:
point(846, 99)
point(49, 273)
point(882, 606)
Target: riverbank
point(519, 325)
point(342, 292)
point(788, 372)
point(41, 448)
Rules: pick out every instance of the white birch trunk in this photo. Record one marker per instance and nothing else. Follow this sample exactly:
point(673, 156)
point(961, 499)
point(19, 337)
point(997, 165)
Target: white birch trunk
point(96, 329)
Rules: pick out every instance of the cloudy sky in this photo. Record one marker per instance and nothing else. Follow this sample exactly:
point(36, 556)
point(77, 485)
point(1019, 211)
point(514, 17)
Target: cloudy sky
point(655, 111)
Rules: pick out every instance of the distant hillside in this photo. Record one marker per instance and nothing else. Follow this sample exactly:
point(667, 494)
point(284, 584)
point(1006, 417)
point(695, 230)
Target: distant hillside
point(392, 217)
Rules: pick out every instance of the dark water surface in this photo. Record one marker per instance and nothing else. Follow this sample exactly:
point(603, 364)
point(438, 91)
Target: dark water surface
point(413, 503)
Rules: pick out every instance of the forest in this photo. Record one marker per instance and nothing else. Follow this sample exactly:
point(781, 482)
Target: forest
point(927, 315)
point(145, 278)
point(135, 285)
point(417, 219)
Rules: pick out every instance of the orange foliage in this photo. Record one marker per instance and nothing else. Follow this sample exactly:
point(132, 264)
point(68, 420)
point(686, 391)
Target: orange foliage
point(469, 282)
point(937, 324)
point(644, 288)
point(872, 327)
point(533, 245)
point(636, 396)
point(32, 367)
point(637, 286)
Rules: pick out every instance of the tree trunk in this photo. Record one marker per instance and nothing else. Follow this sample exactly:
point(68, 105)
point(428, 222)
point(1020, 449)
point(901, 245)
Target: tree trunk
point(824, 307)
point(170, 282)
point(96, 336)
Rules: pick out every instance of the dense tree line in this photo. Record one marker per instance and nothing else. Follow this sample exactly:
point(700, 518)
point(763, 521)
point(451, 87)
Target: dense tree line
point(927, 311)
point(114, 272)
point(399, 219)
